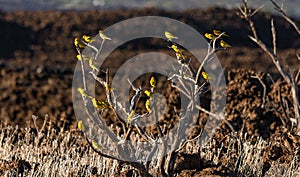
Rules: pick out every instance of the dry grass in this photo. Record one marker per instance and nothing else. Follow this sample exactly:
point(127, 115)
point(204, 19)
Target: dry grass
point(54, 152)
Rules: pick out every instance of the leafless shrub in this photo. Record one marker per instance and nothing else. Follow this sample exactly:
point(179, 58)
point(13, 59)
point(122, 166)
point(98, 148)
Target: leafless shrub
point(288, 75)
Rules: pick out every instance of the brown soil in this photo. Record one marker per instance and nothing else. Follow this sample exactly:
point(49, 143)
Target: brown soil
point(37, 61)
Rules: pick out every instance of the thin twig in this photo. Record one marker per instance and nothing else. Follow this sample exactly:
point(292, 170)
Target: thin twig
point(273, 37)
point(217, 117)
point(89, 45)
point(100, 49)
point(190, 140)
point(272, 80)
point(297, 75)
point(257, 10)
point(83, 71)
point(283, 14)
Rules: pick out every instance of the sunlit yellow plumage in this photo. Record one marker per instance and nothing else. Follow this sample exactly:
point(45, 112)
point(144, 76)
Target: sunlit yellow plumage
point(176, 49)
point(91, 63)
point(108, 87)
point(82, 92)
point(205, 75)
point(78, 44)
point(224, 44)
point(129, 117)
point(218, 32)
point(83, 56)
point(152, 81)
point(103, 36)
point(182, 57)
point(170, 36)
point(95, 145)
point(210, 36)
point(100, 104)
point(148, 105)
point(148, 93)
point(80, 125)
point(87, 39)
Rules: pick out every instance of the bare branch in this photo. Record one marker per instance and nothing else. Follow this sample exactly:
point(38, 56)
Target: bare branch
point(257, 10)
point(283, 14)
point(282, 4)
point(273, 37)
point(207, 57)
point(272, 54)
point(264, 92)
point(217, 117)
point(135, 96)
point(297, 76)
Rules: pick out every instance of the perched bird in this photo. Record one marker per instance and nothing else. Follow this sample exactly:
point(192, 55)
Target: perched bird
point(148, 93)
point(108, 87)
point(170, 36)
point(205, 75)
point(82, 92)
point(180, 55)
point(87, 39)
point(176, 49)
point(130, 116)
point(80, 125)
point(91, 63)
point(152, 81)
point(148, 105)
point(210, 36)
point(217, 33)
point(96, 103)
point(95, 145)
point(100, 104)
point(83, 56)
point(183, 58)
point(224, 44)
point(103, 36)
point(78, 44)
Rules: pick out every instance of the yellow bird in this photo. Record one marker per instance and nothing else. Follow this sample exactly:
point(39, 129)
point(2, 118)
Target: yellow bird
point(82, 92)
point(205, 75)
point(108, 87)
point(78, 44)
point(95, 145)
point(218, 33)
point(130, 116)
point(176, 49)
point(148, 105)
point(224, 44)
point(87, 39)
point(170, 36)
point(152, 81)
point(100, 104)
point(103, 36)
point(148, 93)
point(210, 36)
point(183, 58)
point(83, 56)
point(80, 125)
point(91, 63)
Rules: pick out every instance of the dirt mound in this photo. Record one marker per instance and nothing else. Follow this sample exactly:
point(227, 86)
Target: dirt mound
point(39, 57)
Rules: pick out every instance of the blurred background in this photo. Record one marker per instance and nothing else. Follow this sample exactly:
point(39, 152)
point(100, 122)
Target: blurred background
point(291, 6)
